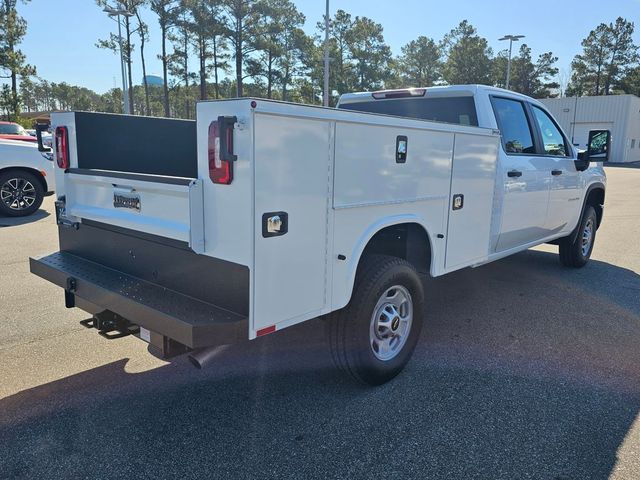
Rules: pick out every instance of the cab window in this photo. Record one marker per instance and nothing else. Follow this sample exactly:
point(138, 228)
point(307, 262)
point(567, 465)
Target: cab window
point(553, 141)
point(458, 110)
point(514, 126)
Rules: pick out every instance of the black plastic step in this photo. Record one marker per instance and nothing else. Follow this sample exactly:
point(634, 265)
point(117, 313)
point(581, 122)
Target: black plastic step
point(183, 318)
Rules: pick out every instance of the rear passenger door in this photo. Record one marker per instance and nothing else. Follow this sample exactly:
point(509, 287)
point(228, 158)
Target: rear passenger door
point(525, 176)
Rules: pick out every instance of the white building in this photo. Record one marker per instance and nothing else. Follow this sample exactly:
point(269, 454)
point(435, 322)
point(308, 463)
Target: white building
point(618, 113)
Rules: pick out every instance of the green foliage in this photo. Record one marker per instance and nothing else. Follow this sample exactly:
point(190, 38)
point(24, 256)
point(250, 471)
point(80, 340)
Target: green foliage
point(607, 54)
point(278, 46)
point(244, 25)
point(630, 83)
point(534, 79)
point(360, 57)
point(165, 12)
point(231, 48)
point(12, 61)
point(468, 56)
point(369, 54)
point(420, 64)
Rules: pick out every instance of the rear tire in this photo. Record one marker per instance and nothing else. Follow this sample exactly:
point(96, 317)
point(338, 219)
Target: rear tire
point(374, 336)
point(21, 193)
point(576, 254)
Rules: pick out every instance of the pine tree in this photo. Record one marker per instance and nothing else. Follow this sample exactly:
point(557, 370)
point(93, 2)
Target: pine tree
point(607, 53)
point(13, 62)
point(468, 56)
point(420, 64)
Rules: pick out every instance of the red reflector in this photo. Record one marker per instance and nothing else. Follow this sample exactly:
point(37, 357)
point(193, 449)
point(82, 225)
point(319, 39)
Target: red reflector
point(62, 147)
point(266, 331)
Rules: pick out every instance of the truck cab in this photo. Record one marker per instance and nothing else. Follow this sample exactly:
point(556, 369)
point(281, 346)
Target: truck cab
point(541, 183)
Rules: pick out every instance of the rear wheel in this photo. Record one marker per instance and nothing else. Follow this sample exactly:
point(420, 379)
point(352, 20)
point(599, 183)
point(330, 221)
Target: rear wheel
point(21, 193)
point(576, 254)
point(374, 336)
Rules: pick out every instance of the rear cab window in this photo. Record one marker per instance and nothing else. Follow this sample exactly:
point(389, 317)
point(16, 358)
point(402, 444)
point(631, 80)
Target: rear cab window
point(460, 110)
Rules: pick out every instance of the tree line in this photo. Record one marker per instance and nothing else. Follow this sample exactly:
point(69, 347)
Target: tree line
point(233, 48)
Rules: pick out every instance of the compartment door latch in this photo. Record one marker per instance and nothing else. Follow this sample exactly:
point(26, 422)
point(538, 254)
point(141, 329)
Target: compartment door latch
point(275, 224)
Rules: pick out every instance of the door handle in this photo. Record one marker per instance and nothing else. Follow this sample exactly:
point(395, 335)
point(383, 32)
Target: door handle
point(514, 173)
point(556, 172)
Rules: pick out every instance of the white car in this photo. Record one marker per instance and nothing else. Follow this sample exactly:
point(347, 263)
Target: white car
point(26, 177)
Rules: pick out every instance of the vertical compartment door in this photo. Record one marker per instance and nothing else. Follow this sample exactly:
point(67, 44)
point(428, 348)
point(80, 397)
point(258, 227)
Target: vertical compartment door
point(292, 158)
point(473, 177)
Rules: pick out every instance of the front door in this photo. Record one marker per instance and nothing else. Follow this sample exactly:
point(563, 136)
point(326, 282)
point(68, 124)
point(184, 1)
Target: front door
point(564, 195)
point(525, 175)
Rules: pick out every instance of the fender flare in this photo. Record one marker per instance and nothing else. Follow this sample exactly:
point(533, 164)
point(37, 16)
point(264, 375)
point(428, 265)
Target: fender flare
point(369, 233)
point(592, 187)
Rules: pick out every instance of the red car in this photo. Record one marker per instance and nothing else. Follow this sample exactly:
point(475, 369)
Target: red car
point(13, 131)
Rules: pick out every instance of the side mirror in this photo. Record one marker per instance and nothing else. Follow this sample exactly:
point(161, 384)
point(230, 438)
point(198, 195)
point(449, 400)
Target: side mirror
point(42, 127)
point(598, 148)
point(599, 145)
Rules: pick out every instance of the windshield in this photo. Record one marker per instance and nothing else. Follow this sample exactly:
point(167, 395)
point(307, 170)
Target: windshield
point(458, 110)
point(11, 129)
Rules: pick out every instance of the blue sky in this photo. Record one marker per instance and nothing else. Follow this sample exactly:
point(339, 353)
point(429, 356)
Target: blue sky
point(62, 34)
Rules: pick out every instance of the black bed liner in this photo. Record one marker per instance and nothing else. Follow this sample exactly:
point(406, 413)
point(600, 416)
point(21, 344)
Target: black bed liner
point(126, 143)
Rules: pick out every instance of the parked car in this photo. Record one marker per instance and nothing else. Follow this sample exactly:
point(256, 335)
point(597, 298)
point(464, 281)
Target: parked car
point(26, 177)
point(13, 131)
point(261, 215)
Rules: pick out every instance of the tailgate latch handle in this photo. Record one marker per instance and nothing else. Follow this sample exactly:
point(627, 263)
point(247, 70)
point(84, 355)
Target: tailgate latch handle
point(226, 124)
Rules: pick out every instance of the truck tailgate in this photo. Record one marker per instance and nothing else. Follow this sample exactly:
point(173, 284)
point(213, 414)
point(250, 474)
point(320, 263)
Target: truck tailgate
point(170, 207)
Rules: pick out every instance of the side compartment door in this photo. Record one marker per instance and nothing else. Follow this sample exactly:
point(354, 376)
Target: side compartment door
point(473, 176)
point(292, 184)
point(525, 175)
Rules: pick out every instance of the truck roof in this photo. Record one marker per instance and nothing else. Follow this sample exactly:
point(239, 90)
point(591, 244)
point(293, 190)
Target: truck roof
point(439, 91)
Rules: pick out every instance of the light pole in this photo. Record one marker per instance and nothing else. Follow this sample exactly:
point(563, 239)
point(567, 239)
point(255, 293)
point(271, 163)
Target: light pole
point(113, 13)
point(326, 58)
point(511, 38)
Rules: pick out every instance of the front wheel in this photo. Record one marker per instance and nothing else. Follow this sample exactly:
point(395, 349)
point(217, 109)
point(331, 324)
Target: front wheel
point(21, 193)
point(576, 254)
point(374, 336)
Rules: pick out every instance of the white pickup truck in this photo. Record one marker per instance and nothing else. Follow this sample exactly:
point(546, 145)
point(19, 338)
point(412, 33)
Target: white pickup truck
point(261, 215)
point(26, 177)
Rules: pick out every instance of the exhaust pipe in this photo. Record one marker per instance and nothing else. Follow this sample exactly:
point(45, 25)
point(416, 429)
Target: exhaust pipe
point(201, 357)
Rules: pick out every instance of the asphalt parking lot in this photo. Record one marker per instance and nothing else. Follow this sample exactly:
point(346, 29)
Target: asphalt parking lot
point(525, 370)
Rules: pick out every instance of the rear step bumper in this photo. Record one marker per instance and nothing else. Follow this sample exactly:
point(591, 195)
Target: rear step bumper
point(185, 319)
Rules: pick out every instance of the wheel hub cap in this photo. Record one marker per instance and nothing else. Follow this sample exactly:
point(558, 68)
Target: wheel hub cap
point(587, 237)
point(18, 194)
point(391, 323)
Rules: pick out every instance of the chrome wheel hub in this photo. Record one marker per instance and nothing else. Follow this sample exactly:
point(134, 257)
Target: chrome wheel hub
point(18, 194)
point(587, 237)
point(391, 323)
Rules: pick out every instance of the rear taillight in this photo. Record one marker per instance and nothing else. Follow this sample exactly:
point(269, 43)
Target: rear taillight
point(221, 155)
point(62, 147)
